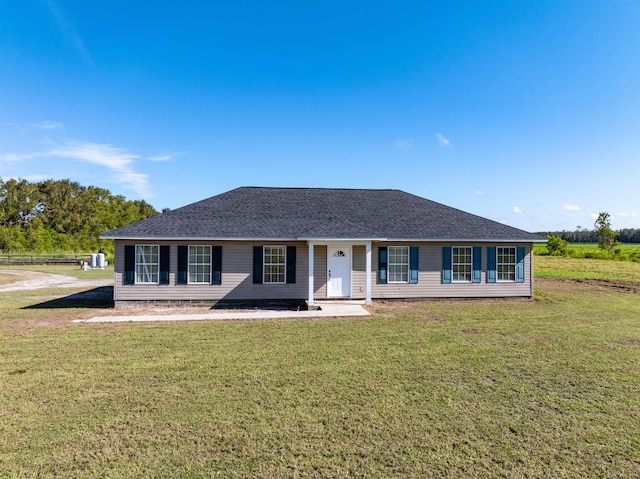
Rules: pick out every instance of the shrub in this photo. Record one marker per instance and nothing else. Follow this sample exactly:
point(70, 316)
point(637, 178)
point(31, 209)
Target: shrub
point(556, 246)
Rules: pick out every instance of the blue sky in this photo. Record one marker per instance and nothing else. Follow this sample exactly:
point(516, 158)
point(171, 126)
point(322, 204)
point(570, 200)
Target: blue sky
point(525, 112)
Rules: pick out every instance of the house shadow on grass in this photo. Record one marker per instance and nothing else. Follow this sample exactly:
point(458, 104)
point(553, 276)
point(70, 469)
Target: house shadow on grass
point(98, 298)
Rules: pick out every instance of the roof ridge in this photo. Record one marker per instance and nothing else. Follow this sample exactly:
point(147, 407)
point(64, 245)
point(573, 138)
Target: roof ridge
point(314, 188)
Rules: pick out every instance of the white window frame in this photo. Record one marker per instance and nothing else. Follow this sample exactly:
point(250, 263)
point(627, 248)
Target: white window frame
point(454, 264)
point(283, 264)
point(196, 264)
point(390, 264)
point(513, 264)
point(146, 265)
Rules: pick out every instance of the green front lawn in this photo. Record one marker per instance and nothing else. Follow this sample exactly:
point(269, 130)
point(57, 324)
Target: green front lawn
point(543, 388)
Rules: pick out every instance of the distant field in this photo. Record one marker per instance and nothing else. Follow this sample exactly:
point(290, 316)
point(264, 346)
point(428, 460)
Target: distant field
point(595, 245)
point(581, 268)
point(623, 252)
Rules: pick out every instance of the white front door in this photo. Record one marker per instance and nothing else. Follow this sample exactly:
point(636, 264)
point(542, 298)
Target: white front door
point(339, 272)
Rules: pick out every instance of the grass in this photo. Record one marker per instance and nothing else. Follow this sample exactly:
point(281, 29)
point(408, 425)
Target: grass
point(547, 388)
point(575, 268)
point(69, 270)
point(596, 246)
point(631, 246)
point(622, 252)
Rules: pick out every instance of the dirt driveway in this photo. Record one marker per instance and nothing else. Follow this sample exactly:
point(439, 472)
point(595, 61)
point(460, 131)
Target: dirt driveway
point(29, 280)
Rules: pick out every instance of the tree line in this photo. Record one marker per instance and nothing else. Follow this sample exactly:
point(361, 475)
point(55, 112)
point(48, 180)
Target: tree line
point(626, 235)
point(53, 216)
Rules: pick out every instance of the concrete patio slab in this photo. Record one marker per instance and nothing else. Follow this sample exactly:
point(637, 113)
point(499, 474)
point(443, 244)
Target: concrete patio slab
point(328, 310)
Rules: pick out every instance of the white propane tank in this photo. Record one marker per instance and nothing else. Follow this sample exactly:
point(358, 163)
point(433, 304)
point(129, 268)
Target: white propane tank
point(94, 260)
point(101, 260)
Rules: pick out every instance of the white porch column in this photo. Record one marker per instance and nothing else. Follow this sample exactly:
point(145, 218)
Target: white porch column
point(367, 300)
point(311, 273)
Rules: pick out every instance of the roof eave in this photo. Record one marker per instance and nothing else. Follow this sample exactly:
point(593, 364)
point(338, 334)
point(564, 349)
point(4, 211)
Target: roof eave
point(470, 240)
point(325, 238)
point(400, 240)
point(191, 238)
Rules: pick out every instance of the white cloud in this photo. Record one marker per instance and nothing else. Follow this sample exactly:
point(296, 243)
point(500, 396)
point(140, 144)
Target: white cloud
point(68, 31)
point(165, 157)
point(568, 207)
point(99, 154)
point(226, 143)
point(17, 157)
point(517, 209)
point(443, 140)
point(116, 159)
point(42, 125)
point(627, 214)
point(47, 125)
point(479, 193)
point(403, 143)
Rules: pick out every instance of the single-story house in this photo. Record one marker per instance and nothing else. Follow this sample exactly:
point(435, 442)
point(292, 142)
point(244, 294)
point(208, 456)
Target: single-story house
point(310, 244)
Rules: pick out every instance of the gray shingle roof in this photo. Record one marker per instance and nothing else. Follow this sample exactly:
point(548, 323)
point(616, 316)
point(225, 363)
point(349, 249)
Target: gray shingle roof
point(319, 213)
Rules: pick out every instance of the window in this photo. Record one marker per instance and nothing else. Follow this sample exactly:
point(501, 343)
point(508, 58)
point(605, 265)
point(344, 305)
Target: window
point(461, 263)
point(274, 264)
point(506, 263)
point(147, 264)
point(398, 264)
point(199, 264)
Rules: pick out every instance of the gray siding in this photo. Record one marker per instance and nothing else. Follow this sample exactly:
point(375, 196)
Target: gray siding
point(320, 271)
point(359, 274)
point(430, 277)
point(237, 279)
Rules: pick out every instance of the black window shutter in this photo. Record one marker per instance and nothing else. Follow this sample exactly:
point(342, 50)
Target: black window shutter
point(446, 264)
point(257, 264)
point(183, 264)
point(476, 274)
point(491, 264)
point(520, 264)
point(129, 264)
point(291, 264)
point(164, 264)
point(413, 264)
point(216, 277)
point(382, 265)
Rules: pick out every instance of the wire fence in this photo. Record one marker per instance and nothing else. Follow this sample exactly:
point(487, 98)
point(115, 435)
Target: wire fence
point(18, 259)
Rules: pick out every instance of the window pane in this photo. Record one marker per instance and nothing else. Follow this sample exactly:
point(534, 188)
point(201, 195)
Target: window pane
point(506, 263)
point(200, 264)
point(461, 263)
point(147, 264)
point(274, 264)
point(398, 264)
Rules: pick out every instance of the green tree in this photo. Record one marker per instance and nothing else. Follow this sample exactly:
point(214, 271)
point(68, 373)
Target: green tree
point(62, 215)
point(606, 236)
point(556, 245)
point(19, 202)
